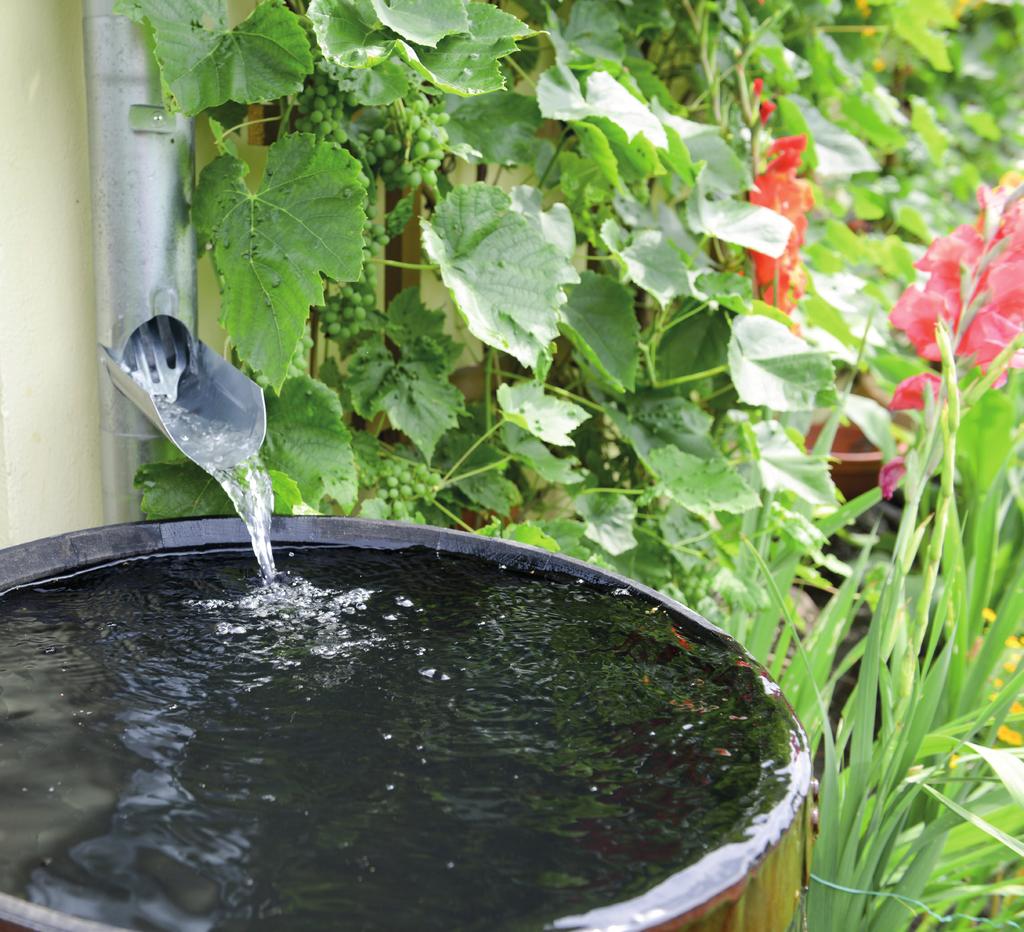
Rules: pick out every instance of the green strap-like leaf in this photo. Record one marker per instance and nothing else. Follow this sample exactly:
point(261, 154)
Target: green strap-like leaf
point(312, 194)
point(204, 63)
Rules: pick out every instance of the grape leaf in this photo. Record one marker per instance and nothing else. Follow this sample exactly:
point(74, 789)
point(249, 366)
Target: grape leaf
point(381, 84)
point(608, 98)
point(699, 485)
point(204, 63)
point(467, 64)
point(609, 520)
point(180, 490)
point(184, 490)
point(656, 419)
point(595, 149)
point(561, 470)
point(785, 467)
point(413, 391)
point(310, 195)
point(724, 173)
point(652, 262)
point(600, 320)
point(505, 277)
point(307, 439)
point(554, 224)
point(772, 367)
point(501, 127)
point(349, 33)
point(560, 98)
point(593, 31)
point(549, 418)
point(424, 22)
point(748, 225)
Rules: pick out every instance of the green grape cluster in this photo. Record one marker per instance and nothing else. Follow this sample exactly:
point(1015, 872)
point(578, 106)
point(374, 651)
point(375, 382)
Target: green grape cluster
point(347, 312)
point(407, 150)
point(323, 108)
point(402, 483)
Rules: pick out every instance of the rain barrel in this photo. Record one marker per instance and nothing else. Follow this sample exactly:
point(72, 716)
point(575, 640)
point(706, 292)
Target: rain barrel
point(423, 729)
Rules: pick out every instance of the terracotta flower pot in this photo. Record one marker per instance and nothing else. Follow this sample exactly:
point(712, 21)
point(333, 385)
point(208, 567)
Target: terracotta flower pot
point(855, 459)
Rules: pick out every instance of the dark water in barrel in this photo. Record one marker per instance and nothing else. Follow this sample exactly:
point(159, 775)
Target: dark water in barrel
point(383, 742)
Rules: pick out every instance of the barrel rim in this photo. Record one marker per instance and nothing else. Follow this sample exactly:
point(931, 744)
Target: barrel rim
point(721, 875)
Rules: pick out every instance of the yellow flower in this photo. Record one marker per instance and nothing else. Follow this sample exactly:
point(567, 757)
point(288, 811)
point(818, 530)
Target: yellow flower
point(869, 31)
point(878, 64)
point(1010, 666)
point(864, 8)
point(954, 759)
point(1009, 736)
point(1011, 179)
point(998, 683)
point(988, 615)
point(1014, 643)
point(1017, 709)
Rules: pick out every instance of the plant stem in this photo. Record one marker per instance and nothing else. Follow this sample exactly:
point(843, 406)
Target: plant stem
point(692, 377)
point(554, 157)
point(518, 69)
point(233, 129)
point(396, 264)
point(472, 447)
point(452, 516)
point(480, 469)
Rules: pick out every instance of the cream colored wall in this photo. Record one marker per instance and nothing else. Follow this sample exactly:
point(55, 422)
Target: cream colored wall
point(49, 433)
point(49, 421)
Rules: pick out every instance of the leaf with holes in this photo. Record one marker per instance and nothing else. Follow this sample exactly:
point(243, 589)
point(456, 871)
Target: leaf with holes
point(310, 194)
point(549, 418)
point(205, 63)
point(699, 485)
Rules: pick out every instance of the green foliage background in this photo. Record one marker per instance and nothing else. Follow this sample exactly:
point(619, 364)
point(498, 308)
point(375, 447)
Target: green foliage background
point(560, 343)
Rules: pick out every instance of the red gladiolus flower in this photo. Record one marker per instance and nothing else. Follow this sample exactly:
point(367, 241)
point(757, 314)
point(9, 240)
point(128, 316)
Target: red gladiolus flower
point(889, 476)
point(758, 86)
point(975, 283)
point(766, 109)
point(779, 188)
point(909, 394)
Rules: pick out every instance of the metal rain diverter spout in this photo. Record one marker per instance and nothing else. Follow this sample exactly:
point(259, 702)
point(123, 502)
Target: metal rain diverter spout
point(141, 170)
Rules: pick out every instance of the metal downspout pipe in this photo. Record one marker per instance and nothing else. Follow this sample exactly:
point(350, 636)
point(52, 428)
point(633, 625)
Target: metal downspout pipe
point(144, 253)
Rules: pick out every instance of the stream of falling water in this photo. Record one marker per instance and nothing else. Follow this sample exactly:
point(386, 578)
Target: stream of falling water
point(249, 488)
point(247, 484)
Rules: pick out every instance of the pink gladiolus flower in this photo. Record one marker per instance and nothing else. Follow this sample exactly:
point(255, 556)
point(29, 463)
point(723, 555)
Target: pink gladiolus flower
point(975, 284)
point(889, 476)
point(909, 394)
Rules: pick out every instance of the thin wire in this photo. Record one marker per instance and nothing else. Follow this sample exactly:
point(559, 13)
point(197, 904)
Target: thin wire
point(938, 917)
